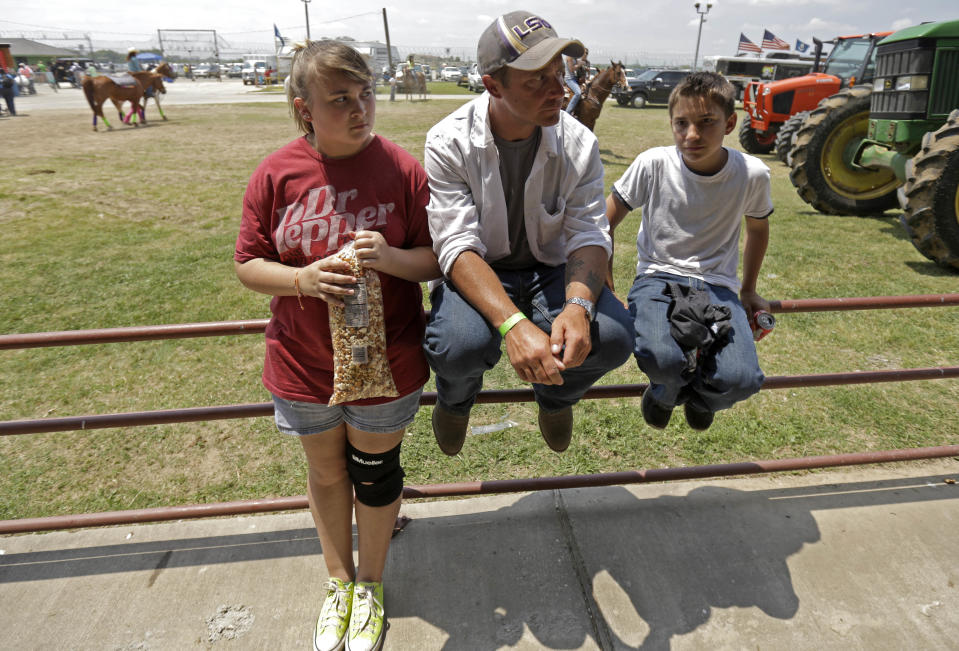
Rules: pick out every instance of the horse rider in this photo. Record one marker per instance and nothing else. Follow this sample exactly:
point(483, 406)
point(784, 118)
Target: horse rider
point(133, 62)
point(575, 78)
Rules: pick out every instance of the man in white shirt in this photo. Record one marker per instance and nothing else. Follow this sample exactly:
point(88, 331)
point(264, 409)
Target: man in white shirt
point(517, 219)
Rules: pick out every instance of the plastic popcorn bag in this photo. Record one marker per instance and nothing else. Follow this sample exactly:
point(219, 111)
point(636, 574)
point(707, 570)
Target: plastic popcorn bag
point(361, 368)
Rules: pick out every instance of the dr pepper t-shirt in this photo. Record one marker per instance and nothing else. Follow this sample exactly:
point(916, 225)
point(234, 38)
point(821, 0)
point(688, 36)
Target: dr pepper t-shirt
point(300, 207)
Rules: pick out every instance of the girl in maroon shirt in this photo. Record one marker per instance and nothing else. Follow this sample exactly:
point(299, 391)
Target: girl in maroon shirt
point(340, 182)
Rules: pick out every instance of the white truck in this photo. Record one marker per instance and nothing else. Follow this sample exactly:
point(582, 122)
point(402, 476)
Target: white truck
point(256, 67)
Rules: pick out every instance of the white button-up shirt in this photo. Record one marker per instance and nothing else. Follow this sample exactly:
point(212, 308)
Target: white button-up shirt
point(564, 205)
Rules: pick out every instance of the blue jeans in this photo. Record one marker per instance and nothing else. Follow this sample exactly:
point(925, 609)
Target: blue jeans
point(729, 376)
point(305, 418)
point(577, 94)
point(461, 345)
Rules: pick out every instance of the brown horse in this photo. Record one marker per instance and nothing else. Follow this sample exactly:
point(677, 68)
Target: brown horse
point(152, 81)
point(412, 82)
point(101, 88)
point(596, 92)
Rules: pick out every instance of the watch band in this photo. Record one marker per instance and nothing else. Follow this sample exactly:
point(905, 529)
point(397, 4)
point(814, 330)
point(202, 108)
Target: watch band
point(585, 304)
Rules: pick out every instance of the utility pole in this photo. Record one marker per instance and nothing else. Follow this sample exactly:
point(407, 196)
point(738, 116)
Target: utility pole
point(702, 19)
point(389, 50)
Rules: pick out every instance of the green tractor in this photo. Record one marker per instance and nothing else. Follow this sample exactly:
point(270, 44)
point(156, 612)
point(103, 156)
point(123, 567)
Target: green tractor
point(895, 142)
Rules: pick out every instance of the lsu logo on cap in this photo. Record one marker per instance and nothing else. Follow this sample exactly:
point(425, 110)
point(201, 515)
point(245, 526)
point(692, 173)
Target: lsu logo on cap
point(529, 26)
point(514, 35)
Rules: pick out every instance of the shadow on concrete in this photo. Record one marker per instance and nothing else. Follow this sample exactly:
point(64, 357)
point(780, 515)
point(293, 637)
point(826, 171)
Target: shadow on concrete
point(675, 558)
point(556, 563)
point(157, 556)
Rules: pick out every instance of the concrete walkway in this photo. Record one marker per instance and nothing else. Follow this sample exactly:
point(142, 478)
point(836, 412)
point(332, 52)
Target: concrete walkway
point(848, 559)
point(182, 91)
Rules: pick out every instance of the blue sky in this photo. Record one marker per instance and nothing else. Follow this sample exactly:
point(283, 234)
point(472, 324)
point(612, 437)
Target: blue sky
point(610, 28)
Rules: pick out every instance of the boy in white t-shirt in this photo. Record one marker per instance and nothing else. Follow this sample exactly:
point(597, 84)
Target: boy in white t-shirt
point(693, 197)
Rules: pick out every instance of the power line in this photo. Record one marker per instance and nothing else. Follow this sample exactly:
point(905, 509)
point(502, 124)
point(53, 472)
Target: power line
point(70, 29)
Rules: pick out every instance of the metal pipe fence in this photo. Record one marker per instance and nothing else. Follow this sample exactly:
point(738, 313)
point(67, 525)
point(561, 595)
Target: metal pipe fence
point(179, 331)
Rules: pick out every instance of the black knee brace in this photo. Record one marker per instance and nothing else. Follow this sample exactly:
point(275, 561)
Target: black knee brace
point(377, 478)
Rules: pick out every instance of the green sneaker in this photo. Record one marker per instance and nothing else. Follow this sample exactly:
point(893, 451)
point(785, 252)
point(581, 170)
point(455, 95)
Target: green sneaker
point(334, 619)
point(367, 627)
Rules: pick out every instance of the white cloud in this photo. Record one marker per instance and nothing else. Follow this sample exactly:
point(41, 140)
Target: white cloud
point(902, 23)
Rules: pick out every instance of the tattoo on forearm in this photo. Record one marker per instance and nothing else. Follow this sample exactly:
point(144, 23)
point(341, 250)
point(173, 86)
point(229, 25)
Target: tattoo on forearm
point(578, 270)
point(573, 268)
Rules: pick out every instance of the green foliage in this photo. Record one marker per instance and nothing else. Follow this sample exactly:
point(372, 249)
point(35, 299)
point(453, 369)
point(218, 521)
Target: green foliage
point(137, 227)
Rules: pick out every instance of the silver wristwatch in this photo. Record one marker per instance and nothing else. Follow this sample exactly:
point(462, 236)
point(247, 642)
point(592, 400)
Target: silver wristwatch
point(585, 304)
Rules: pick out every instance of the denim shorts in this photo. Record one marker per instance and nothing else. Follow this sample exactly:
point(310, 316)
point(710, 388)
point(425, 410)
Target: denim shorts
point(305, 418)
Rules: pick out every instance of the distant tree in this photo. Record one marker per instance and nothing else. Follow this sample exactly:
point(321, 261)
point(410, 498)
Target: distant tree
point(108, 55)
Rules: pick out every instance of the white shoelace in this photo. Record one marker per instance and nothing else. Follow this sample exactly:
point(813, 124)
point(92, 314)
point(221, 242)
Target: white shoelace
point(332, 616)
point(363, 596)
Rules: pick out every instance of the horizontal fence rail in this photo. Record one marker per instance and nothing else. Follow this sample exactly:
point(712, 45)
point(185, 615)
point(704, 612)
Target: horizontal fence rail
point(246, 507)
point(599, 392)
point(257, 326)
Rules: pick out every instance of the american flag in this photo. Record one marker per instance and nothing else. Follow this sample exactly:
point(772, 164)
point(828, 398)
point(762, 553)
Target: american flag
point(745, 45)
point(770, 42)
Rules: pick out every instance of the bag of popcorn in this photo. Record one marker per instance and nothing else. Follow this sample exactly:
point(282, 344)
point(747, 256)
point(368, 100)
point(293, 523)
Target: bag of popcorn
point(361, 368)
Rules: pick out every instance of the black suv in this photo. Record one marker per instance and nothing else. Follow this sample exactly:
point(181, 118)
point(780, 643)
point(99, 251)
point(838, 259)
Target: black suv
point(653, 85)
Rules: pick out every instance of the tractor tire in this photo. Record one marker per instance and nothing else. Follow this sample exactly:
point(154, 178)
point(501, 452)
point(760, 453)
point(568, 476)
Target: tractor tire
point(820, 152)
point(787, 135)
point(930, 196)
point(754, 142)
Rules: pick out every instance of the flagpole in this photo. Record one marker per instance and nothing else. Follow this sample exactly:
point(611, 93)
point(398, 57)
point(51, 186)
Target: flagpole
point(306, 9)
point(699, 34)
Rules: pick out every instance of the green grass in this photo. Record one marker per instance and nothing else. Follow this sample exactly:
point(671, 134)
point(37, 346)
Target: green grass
point(137, 227)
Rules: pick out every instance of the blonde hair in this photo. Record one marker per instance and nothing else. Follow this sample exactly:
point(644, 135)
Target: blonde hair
point(321, 58)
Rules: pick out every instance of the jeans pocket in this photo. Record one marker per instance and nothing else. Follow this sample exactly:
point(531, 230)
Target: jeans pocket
point(542, 309)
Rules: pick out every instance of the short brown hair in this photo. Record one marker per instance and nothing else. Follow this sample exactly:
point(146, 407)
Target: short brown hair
point(710, 86)
point(322, 58)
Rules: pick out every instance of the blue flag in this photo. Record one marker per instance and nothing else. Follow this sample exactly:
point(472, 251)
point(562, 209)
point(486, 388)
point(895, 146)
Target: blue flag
point(276, 33)
point(801, 47)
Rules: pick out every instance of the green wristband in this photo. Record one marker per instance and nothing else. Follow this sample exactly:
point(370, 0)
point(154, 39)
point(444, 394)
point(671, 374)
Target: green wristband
point(508, 324)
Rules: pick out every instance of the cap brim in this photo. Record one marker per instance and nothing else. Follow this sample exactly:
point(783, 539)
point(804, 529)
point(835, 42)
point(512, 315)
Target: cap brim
point(543, 52)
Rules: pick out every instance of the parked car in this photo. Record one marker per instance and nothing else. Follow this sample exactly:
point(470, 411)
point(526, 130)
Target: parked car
point(464, 76)
point(652, 86)
point(235, 71)
point(474, 80)
point(450, 73)
point(206, 70)
point(61, 67)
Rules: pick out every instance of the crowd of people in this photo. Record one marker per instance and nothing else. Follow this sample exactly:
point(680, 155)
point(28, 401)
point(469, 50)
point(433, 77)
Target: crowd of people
point(507, 222)
point(21, 81)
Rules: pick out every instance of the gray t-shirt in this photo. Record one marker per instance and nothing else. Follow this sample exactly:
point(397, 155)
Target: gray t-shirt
point(515, 162)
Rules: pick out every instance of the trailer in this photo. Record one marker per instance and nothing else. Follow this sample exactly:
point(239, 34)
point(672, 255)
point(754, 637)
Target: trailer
point(742, 70)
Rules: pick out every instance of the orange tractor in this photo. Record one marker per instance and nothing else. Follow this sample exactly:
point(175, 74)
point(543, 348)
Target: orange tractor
point(776, 109)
